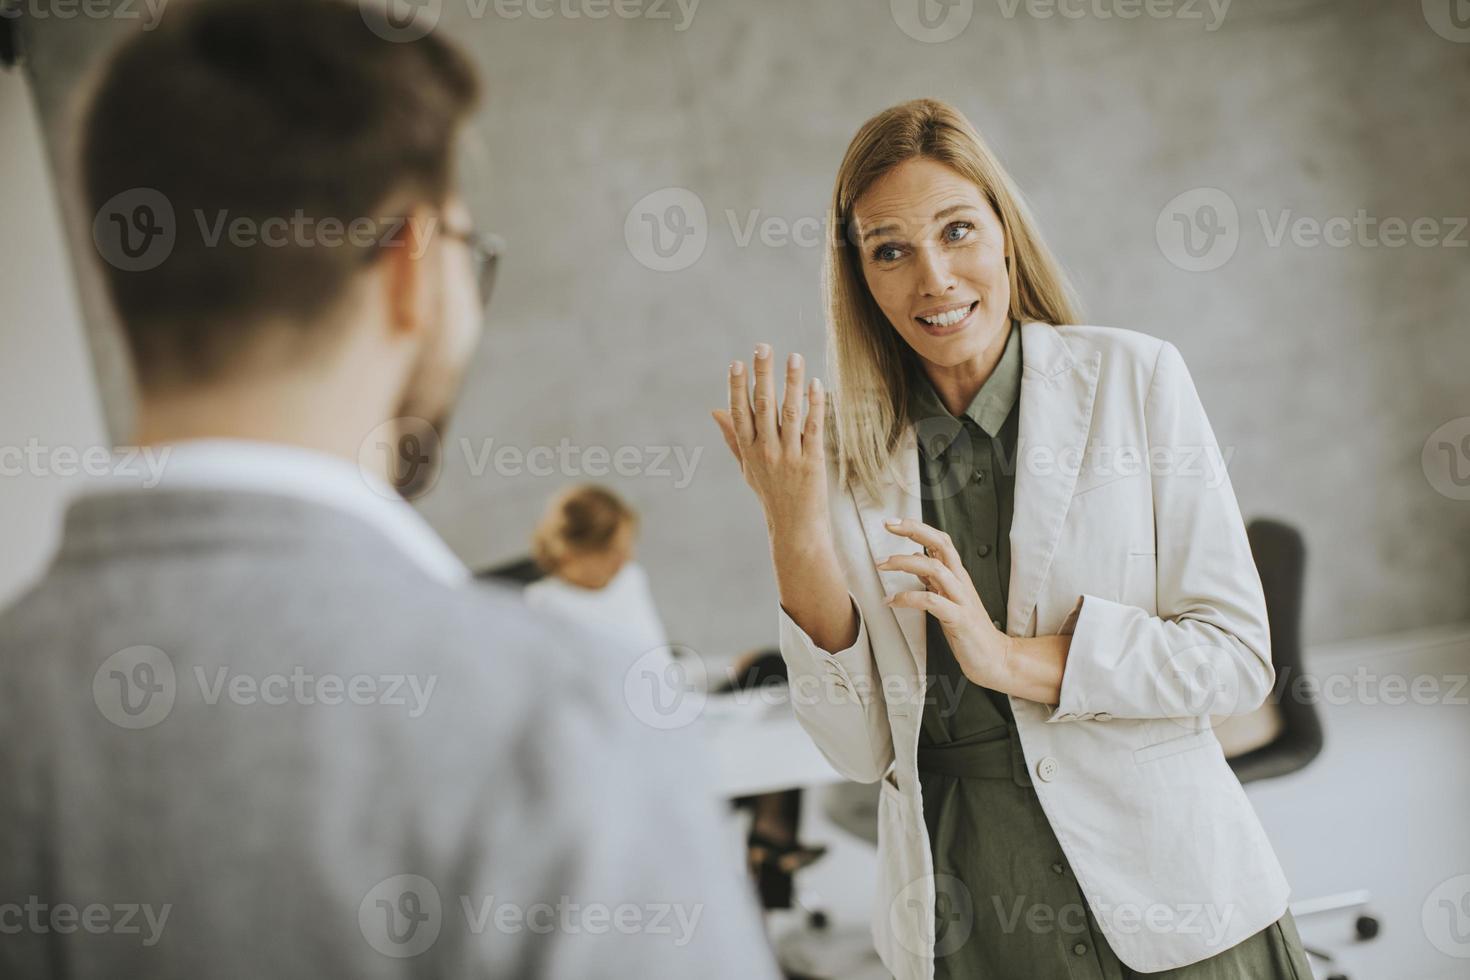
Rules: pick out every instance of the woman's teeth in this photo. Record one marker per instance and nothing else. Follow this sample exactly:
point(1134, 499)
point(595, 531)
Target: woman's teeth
point(948, 319)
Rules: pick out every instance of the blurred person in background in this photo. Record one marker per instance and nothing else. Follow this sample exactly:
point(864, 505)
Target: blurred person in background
point(260, 702)
point(585, 543)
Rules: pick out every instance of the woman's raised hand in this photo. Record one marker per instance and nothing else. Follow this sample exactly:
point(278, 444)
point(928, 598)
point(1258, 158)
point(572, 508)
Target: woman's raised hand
point(782, 457)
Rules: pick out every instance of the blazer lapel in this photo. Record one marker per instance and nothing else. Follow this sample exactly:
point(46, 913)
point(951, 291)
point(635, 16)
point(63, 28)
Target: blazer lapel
point(900, 498)
point(1057, 394)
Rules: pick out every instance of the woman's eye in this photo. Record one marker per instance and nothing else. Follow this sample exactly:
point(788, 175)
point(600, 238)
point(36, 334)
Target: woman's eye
point(958, 231)
point(886, 253)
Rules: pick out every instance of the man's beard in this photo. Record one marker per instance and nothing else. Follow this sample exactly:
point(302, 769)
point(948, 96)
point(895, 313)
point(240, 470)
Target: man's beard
point(423, 413)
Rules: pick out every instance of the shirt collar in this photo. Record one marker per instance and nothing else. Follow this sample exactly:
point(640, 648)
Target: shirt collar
point(297, 472)
point(988, 409)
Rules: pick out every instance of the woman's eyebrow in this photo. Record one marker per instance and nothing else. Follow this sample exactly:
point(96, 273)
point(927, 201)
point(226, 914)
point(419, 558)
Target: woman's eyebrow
point(938, 216)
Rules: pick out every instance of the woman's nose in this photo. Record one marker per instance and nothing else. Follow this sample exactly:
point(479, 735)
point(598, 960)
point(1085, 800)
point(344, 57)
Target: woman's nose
point(934, 275)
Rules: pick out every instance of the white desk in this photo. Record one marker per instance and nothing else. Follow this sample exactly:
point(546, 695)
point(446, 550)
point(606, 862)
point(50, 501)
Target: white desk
point(759, 747)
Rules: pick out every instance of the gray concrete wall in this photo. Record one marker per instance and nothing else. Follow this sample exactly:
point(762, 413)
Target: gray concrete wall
point(1325, 368)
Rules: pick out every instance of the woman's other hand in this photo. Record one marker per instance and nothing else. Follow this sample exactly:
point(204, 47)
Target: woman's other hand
point(981, 649)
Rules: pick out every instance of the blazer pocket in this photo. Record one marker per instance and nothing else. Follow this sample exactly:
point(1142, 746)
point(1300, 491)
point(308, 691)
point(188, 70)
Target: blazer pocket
point(1173, 746)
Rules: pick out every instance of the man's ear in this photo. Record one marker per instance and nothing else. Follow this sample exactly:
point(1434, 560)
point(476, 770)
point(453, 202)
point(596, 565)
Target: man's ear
point(409, 263)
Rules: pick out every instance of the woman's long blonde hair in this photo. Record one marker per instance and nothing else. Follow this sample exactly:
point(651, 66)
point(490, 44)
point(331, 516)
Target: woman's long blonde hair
point(868, 358)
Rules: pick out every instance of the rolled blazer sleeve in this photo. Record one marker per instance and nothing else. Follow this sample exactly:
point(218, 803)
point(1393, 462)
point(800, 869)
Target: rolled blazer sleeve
point(1208, 651)
point(838, 699)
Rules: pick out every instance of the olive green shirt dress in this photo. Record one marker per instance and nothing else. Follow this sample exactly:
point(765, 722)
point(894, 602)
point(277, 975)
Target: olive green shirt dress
point(1007, 906)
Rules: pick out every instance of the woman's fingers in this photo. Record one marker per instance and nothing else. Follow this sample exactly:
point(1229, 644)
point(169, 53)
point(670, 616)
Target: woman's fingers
point(935, 574)
point(936, 605)
point(722, 419)
point(935, 541)
point(791, 405)
point(764, 403)
point(742, 422)
point(815, 435)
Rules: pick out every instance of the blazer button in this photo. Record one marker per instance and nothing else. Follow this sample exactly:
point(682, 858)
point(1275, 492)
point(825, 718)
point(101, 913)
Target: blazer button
point(1080, 948)
point(1047, 769)
point(984, 550)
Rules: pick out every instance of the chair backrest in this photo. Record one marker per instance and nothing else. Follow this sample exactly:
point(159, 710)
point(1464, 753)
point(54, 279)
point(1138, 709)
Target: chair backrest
point(1285, 733)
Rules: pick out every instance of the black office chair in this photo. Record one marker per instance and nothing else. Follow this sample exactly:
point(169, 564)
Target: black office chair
point(1285, 734)
point(518, 573)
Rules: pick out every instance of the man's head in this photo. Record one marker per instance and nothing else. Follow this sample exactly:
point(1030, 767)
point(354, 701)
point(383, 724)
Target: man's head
point(304, 166)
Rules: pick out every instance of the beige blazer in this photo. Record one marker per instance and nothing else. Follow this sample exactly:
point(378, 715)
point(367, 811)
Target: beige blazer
point(1126, 534)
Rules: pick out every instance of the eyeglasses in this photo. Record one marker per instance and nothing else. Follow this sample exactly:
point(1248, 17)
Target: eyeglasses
point(485, 251)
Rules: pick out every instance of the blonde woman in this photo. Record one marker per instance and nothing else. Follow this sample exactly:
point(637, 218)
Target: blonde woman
point(585, 542)
point(1013, 593)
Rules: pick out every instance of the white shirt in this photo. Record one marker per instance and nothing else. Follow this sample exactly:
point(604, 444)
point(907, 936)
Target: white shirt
point(294, 471)
point(622, 611)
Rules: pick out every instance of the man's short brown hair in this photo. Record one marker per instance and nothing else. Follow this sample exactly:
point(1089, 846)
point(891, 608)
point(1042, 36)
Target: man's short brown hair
point(259, 112)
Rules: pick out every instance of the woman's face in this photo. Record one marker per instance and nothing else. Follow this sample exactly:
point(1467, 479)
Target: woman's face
point(934, 257)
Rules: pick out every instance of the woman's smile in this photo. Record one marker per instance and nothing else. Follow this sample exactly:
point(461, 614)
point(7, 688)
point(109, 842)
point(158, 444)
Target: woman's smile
point(946, 320)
